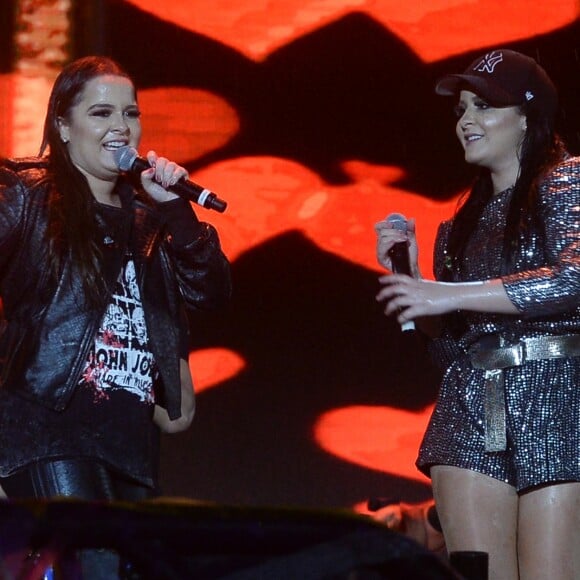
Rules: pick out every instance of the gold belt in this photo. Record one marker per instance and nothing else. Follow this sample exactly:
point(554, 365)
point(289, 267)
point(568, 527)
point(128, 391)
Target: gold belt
point(493, 360)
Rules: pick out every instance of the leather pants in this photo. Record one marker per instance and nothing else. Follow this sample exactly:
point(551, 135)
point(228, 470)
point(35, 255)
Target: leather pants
point(74, 478)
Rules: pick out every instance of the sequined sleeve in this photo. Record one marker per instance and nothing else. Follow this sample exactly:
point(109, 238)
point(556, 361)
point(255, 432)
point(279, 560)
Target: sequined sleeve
point(554, 288)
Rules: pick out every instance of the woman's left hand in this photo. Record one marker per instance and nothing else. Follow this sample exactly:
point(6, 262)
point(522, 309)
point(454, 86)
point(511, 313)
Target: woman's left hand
point(411, 298)
point(160, 176)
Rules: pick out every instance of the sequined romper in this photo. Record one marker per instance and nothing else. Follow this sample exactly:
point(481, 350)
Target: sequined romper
point(542, 397)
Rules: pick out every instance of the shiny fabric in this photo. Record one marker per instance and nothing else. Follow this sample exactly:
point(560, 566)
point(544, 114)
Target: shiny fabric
point(542, 397)
point(494, 359)
point(73, 478)
point(50, 325)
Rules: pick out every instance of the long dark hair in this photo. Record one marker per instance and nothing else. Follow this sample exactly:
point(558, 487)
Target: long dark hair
point(72, 225)
point(541, 149)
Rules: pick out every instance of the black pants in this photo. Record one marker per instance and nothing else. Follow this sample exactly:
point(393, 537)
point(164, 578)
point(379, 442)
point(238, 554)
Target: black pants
point(75, 478)
point(80, 479)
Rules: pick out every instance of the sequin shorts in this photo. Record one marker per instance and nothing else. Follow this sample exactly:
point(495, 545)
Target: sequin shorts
point(542, 420)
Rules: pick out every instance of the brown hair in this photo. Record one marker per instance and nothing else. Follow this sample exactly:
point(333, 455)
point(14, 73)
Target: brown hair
point(72, 224)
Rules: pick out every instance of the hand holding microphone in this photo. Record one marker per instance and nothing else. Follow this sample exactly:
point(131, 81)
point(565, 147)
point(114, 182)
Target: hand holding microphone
point(395, 255)
point(128, 160)
point(396, 246)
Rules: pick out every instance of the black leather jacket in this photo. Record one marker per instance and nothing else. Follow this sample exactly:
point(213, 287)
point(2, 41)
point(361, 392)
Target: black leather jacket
point(49, 326)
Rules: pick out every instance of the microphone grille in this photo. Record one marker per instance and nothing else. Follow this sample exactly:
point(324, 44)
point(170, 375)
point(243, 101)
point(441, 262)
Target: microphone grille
point(398, 221)
point(125, 157)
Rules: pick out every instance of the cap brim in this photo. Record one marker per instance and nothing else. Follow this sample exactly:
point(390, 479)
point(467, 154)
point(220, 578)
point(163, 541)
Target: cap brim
point(451, 85)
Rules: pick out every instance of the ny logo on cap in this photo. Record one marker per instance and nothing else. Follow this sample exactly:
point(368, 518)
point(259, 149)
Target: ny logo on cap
point(489, 62)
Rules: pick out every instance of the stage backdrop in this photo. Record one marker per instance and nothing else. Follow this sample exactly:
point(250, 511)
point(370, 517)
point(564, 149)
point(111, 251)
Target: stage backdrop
point(313, 120)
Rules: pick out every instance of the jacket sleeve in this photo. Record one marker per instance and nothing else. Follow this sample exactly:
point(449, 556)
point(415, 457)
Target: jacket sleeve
point(200, 266)
point(555, 287)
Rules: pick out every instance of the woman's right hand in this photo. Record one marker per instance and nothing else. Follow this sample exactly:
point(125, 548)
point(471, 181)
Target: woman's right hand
point(158, 179)
point(387, 237)
point(160, 415)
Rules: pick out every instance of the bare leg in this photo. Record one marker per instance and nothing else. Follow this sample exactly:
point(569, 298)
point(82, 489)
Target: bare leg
point(549, 533)
point(480, 513)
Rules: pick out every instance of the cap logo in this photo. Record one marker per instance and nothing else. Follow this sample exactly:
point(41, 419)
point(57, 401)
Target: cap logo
point(529, 95)
point(489, 62)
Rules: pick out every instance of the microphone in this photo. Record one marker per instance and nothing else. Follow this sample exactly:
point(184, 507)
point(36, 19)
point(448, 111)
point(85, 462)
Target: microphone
point(399, 255)
point(127, 159)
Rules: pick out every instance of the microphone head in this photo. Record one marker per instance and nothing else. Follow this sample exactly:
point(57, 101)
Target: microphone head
point(398, 221)
point(125, 157)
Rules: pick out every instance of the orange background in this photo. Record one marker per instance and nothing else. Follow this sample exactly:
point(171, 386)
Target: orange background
point(313, 120)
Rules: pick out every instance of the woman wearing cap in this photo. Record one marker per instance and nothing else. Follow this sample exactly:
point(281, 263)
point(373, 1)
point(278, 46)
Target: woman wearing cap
point(503, 444)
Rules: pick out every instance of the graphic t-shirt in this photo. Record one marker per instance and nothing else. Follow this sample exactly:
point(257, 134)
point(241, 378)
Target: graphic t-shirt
point(120, 358)
point(115, 398)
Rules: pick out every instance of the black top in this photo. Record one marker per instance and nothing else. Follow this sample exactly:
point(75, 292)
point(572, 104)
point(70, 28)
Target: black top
point(109, 417)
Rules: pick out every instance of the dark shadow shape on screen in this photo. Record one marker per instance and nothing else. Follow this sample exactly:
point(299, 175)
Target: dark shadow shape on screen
point(314, 339)
point(348, 90)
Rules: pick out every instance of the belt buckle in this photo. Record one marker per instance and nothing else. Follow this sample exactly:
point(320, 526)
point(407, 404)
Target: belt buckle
point(505, 356)
point(512, 355)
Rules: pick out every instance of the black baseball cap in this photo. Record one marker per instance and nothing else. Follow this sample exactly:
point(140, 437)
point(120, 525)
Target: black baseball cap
point(504, 78)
